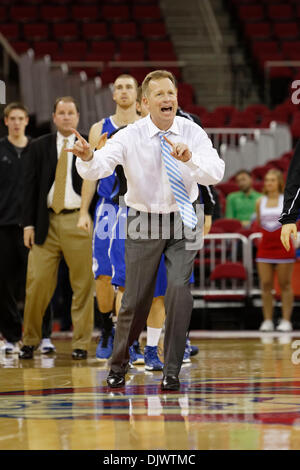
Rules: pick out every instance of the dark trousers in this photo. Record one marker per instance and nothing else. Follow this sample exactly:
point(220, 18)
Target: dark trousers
point(142, 257)
point(13, 265)
point(13, 256)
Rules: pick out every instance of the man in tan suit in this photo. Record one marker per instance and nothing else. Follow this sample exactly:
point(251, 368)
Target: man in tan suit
point(52, 228)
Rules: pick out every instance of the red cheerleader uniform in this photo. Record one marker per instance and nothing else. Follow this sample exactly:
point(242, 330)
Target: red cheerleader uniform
point(270, 248)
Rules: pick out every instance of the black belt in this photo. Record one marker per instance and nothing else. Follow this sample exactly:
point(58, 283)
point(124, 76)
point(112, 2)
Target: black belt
point(64, 211)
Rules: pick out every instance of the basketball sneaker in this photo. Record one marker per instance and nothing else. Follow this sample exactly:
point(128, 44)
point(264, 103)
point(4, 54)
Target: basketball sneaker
point(105, 345)
point(187, 353)
point(267, 325)
point(193, 349)
point(284, 326)
point(139, 354)
point(152, 361)
point(10, 348)
point(132, 356)
point(46, 346)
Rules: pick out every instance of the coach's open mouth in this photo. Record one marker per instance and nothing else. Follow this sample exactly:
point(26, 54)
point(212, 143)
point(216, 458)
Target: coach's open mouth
point(167, 109)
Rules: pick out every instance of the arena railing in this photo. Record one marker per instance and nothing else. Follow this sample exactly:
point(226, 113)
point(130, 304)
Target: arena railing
point(221, 248)
point(248, 148)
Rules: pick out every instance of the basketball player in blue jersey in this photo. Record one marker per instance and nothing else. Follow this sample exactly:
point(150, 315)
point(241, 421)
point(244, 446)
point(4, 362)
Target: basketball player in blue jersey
point(124, 95)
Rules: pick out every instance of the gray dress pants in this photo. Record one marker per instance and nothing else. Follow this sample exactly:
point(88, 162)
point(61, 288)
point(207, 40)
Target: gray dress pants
point(142, 257)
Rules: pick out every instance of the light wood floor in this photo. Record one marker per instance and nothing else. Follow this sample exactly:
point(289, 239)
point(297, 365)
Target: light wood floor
point(238, 393)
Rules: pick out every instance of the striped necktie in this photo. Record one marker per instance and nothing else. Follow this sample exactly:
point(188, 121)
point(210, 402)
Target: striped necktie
point(185, 206)
point(58, 202)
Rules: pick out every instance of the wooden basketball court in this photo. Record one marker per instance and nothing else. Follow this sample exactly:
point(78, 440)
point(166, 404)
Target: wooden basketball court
point(238, 393)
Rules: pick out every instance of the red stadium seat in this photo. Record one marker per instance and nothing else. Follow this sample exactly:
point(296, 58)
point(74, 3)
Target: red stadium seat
point(251, 13)
point(85, 13)
point(280, 12)
point(290, 47)
point(195, 109)
point(259, 47)
point(228, 225)
point(115, 12)
point(227, 187)
point(109, 75)
point(36, 31)
point(10, 30)
point(185, 94)
point(258, 186)
point(77, 47)
point(54, 13)
point(23, 13)
point(175, 71)
point(3, 14)
point(45, 48)
point(146, 12)
point(20, 46)
point(153, 30)
point(132, 50)
point(124, 30)
point(102, 51)
point(229, 272)
point(263, 57)
point(258, 109)
point(161, 50)
point(139, 73)
point(65, 31)
point(282, 113)
point(260, 171)
point(94, 30)
point(211, 120)
point(240, 119)
point(258, 30)
point(288, 30)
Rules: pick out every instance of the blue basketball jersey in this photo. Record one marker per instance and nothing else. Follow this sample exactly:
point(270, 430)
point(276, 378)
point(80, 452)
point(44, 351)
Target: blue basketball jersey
point(106, 186)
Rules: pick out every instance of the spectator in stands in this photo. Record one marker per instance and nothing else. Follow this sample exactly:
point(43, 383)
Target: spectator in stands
point(13, 254)
point(271, 256)
point(241, 204)
point(52, 221)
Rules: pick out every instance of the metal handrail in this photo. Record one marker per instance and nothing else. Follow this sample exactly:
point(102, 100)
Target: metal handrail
point(223, 238)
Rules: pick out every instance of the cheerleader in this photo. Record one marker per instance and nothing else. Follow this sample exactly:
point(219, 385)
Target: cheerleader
point(271, 255)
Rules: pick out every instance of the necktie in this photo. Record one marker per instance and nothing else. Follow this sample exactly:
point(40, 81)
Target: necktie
point(185, 206)
point(58, 202)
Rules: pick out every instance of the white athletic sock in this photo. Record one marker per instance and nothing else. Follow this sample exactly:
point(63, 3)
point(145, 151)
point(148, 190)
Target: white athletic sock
point(153, 335)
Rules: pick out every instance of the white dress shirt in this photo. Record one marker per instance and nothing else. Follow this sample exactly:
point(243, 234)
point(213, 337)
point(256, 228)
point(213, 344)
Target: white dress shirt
point(137, 149)
point(72, 199)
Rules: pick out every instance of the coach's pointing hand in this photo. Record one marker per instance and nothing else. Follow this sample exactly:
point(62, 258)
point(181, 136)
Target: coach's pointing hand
point(179, 151)
point(82, 148)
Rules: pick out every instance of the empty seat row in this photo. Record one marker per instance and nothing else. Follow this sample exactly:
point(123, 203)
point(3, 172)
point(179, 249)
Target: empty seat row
point(267, 30)
point(71, 30)
point(259, 12)
point(101, 50)
point(80, 13)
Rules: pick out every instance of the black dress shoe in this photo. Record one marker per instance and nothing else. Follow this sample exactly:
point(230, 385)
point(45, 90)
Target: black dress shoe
point(26, 352)
point(115, 380)
point(170, 382)
point(79, 354)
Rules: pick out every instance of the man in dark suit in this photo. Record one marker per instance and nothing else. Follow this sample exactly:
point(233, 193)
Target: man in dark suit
point(52, 228)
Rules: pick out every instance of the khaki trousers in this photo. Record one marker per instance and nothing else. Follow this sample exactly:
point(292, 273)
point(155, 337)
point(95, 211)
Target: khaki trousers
point(63, 238)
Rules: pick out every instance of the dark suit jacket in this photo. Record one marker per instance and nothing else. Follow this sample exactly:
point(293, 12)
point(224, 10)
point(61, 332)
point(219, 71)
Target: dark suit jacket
point(39, 175)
